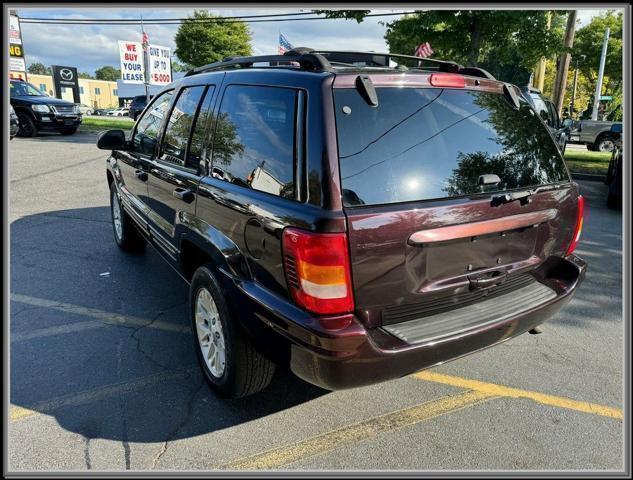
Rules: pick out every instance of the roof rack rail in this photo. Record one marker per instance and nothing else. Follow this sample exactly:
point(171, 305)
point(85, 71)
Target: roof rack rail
point(307, 61)
point(341, 56)
point(327, 60)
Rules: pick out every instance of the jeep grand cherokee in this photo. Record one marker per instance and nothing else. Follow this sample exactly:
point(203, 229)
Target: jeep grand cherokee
point(357, 222)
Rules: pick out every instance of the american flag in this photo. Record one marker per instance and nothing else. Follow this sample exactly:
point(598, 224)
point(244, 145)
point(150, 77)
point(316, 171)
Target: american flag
point(145, 39)
point(284, 44)
point(424, 50)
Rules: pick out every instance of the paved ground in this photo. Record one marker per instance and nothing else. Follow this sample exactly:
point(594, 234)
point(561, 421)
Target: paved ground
point(103, 374)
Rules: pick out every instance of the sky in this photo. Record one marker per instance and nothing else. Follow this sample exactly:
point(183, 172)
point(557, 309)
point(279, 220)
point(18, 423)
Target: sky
point(89, 47)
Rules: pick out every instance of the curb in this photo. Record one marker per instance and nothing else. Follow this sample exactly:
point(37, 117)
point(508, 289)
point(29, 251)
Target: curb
point(588, 176)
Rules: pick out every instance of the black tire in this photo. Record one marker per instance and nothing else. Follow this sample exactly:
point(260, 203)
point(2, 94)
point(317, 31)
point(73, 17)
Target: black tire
point(601, 143)
point(130, 239)
point(246, 371)
point(68, 131)
point(27, 126)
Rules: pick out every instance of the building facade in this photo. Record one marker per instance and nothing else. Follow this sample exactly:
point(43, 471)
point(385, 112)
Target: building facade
point(94, 93)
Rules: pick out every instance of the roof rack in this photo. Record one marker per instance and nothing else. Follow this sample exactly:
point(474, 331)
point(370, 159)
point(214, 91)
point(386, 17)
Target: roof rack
point(338, 56)
point(330, 60)
point(307, 61)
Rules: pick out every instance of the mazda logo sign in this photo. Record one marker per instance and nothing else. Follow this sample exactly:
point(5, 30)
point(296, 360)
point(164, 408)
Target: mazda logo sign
point(66, 74)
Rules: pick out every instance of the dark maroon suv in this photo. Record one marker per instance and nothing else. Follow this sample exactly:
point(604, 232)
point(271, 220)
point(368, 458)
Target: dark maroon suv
point(355, 221)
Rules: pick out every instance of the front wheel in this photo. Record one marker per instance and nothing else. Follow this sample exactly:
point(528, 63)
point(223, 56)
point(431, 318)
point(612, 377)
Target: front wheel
point(605, 144)
point(231, 365)
point(27, 126)
point(126, 235)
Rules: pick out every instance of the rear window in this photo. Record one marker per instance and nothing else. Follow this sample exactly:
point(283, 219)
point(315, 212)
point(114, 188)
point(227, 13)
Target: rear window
point(427, 143)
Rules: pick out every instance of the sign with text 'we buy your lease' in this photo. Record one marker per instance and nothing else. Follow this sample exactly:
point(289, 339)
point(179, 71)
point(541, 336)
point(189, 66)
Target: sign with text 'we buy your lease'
point(132, 68)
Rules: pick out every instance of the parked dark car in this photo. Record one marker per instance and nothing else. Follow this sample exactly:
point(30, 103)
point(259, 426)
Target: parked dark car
point(614, 172)
point(14, 123)
point(138, 104)
point(101, 111)
point(546, 109)
point(37, 111)
point(357, 224)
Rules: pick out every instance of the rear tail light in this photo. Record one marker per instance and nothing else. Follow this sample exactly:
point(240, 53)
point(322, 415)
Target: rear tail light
point(578, 229)
point(318, 271)
point(449, 80)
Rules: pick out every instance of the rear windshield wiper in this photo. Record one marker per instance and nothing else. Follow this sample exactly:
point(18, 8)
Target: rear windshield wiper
point(523, 196)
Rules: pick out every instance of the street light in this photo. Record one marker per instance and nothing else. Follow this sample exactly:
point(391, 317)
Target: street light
point(573, 93)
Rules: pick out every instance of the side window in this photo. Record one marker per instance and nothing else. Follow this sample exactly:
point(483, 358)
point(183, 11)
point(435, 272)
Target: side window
point(198, 137)
point(147, 129)
point(179, 126)
point(254, 139)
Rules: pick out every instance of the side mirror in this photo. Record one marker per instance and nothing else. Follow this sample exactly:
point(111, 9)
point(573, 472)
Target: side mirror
point(112, 140)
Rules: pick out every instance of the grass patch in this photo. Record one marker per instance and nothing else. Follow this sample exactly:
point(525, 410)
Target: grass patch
point(587, 162)
point(98, 124)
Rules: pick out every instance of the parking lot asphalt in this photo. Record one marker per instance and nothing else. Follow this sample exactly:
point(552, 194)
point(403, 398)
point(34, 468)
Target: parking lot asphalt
point(103, 373)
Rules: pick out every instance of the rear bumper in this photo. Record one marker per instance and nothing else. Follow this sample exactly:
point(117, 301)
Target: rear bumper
point(357, 356)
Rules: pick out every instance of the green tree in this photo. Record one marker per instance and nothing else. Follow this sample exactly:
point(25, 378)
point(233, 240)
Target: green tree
point(588, 42)
point(199, 42)
point(507, 43)
point(358, 15)
point(108, 73)
point(38, 68)
point(84, 75)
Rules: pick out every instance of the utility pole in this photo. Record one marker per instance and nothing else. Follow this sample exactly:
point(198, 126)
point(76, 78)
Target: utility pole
point(574, 89)
point(561, 73)
point(145, 63)
point(540, 71)
point(603, 58)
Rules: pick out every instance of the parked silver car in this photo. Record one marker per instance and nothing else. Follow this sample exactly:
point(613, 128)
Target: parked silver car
point(595, 134)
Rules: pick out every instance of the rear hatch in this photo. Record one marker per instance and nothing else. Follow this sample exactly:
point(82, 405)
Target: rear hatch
point(428, 178)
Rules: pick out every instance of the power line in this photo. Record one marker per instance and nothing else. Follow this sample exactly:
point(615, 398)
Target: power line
point(237, 17)
point(177, 21)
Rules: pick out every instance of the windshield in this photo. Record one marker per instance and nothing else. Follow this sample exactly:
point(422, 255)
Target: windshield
point(428, 143)
point(22, 89)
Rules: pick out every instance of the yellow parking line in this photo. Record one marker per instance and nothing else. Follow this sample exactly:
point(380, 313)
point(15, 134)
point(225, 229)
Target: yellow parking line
point(18, 413)
point(353, 433)
point(503, 391)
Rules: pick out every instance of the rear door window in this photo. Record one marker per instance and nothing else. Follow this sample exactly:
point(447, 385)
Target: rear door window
point(254, 139)
point(428, 143)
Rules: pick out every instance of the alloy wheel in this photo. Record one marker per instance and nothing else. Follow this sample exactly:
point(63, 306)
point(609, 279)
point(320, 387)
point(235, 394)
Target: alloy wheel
point(210, 333)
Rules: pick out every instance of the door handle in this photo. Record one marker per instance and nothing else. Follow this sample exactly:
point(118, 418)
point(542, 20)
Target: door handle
point(490, 279)
point(184, 195)
point(141, 175)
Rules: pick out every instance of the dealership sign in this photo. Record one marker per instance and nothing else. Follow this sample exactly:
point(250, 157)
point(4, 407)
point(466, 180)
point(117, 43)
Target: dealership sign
point(66, 77)
point(159, 65)
point(132, 69)
point(133, 65)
